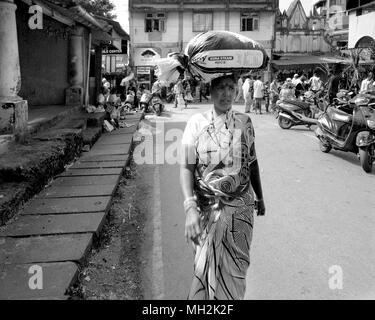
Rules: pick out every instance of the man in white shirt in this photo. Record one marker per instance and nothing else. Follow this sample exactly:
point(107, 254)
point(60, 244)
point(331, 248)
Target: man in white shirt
point(258, 94)
point(240, 94)
point(368, 83)
point(295, 79)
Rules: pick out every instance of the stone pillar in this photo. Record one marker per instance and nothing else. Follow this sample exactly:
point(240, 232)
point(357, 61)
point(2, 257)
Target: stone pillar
point(13, 110)
point(74, 94)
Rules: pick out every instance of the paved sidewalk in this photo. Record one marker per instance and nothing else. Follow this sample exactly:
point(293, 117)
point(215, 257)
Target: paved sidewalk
point(56, 229)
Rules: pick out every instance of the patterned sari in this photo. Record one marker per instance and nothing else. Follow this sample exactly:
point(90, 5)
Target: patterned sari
point(225, 150)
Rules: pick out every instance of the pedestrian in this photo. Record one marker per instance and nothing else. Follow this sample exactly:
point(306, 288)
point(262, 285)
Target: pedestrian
point(248, 92)
point(266, 93)
point(295, 79)
point(202, 91)
point(368, 83)
point(221, 190)
point(239, 90)
point(299, 86)
point(315, 83)
point(274, 93)
point(179, 94)
point(187, 92)
point(334, 83)
point(258, 94)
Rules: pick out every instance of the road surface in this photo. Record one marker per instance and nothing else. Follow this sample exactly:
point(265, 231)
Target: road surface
point(317, 238)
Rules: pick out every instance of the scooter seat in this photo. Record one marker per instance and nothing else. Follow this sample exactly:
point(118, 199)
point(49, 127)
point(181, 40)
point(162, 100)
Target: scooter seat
point(299, 103)
point(339, 115)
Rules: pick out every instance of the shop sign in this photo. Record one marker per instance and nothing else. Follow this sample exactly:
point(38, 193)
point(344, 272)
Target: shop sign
point(143, 70)
point(145, 56)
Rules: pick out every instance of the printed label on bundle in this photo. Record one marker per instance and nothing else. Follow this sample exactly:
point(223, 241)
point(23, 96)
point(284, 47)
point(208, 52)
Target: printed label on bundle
point(229, 59)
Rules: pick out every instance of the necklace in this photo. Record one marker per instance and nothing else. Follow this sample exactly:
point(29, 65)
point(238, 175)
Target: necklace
point(212, 129)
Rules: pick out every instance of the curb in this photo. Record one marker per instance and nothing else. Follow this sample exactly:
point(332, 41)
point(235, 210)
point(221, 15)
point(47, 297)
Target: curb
point(57, 228)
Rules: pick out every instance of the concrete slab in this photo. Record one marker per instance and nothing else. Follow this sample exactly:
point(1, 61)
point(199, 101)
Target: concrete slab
point(55, 224)
point(109, 149)
point(133, 116)
point(66, 205)
point(91, 172)
point(107, 139)
point(86, 181)
point(77, 191)
point(58, 248)
point(104, 157)
point(98, 164)
point(133, 128)
point(57, 278)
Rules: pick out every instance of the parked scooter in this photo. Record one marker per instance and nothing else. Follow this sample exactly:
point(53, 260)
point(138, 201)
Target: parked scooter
point(145, 101)
point(294, 112)
point(350, 129)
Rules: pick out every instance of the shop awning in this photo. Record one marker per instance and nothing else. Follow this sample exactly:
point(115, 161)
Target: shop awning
point(293, 61)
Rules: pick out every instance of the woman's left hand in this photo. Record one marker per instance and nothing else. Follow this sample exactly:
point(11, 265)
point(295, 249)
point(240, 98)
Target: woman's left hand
point(260, 207)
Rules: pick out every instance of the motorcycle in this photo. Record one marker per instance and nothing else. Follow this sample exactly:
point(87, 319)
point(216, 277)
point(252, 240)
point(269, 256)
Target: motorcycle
point(342, 98)
point(294, 112)
point(157, 105)
point(350, 128)
point(145, 101)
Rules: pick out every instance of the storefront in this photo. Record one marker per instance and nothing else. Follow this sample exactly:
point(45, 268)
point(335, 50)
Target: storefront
point(144, 65)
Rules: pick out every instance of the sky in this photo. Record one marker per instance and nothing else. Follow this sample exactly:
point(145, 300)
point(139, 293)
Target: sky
point(122, 10)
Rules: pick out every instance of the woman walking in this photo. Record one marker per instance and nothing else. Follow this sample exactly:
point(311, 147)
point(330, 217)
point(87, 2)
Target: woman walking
point(221, 184)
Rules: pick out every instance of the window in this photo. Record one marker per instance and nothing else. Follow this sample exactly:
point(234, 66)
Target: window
point(249, 22)
point(202, 22)
point(155, 22)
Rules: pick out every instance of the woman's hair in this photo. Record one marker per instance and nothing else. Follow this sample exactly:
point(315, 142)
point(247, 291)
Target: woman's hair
point(216, 81)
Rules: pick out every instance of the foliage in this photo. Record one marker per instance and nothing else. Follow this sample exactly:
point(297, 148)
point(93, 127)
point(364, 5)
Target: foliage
point(102, 8)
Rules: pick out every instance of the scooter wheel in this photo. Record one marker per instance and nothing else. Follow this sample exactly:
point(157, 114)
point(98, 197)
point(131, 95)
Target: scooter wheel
point(324, 146)
point(366, 159)
point(284, 123)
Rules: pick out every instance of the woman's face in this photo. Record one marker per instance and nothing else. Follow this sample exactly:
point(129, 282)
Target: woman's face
point(223, 94)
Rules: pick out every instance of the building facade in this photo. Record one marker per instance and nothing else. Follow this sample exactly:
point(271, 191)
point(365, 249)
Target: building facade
point(361, 24)
point(337, 21)
point(158, 28)
point(297, 33)
point(50, 54)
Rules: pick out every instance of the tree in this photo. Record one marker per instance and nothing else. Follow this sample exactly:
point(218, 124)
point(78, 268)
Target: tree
point(102, 8)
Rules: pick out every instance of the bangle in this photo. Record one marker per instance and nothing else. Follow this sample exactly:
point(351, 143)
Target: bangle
point(190, 204)
point(190, 207)
point(189, 201)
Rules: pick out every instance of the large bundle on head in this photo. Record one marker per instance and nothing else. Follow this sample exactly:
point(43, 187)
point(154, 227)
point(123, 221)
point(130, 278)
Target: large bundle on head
point(212, 54)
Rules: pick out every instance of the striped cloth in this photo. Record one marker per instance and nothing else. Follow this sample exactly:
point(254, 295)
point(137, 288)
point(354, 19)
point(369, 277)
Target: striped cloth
point(226, 203)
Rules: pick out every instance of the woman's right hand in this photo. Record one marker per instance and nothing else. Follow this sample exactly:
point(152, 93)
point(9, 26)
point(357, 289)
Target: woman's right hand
point(192, 225)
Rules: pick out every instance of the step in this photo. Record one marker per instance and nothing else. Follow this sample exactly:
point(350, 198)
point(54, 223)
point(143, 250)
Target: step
point(104, 157)
point(56, 280)
point(38, 225)
point(125, 138)
point(110, 149)
point(86, 181)
point(91, 172)
point(66, 205)
point(58, 191)
point(57, 248)
point(98, 164)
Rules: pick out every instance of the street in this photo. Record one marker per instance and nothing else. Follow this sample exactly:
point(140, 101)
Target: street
point(316, 240)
